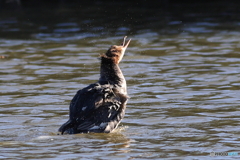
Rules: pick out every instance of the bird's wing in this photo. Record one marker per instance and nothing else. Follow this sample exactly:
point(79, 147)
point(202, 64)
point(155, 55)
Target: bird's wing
point(93, 107)
point(84, 101)
point(79, 107)
point(102, 105)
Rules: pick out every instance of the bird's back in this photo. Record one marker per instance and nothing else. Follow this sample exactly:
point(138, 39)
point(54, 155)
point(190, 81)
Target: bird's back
point(96, 108)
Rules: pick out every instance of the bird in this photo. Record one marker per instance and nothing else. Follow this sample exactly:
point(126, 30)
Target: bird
point(100, 107)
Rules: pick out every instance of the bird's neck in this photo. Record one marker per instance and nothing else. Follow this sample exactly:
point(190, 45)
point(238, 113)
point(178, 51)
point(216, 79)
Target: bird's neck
point(111, 73)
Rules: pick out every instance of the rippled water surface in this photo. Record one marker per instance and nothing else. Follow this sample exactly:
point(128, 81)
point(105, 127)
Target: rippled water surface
point(182, 70)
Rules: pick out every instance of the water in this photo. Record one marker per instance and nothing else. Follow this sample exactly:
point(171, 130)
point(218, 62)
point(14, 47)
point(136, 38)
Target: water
point(182, 70)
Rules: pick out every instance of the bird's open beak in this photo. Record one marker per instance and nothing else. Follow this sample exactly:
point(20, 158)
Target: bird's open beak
point(124, 44)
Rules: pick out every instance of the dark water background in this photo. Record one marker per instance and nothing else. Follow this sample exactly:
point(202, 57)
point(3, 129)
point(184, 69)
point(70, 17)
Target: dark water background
point(182, 70)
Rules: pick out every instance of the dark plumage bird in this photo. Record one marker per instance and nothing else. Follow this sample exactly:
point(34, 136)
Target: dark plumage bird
point(100, 107)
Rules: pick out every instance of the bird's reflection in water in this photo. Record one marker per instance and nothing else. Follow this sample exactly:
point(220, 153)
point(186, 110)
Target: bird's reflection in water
point(115, 141)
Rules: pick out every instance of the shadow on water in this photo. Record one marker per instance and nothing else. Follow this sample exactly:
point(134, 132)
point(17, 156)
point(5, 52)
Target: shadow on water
point(182, 70)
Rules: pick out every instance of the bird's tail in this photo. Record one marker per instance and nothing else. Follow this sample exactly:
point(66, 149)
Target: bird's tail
point(66, 126)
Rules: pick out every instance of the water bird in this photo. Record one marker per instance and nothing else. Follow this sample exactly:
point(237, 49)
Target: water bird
point(101, 106)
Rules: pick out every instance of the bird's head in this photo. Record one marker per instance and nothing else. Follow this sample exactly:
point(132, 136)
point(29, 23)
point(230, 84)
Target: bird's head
point(115, 53)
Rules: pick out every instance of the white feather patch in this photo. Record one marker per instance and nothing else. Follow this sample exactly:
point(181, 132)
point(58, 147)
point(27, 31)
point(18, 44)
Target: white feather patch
point(103, 124)
point(95, 127)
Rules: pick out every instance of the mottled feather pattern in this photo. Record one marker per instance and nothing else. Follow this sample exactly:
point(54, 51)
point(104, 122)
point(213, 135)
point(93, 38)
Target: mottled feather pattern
point(99, 104)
